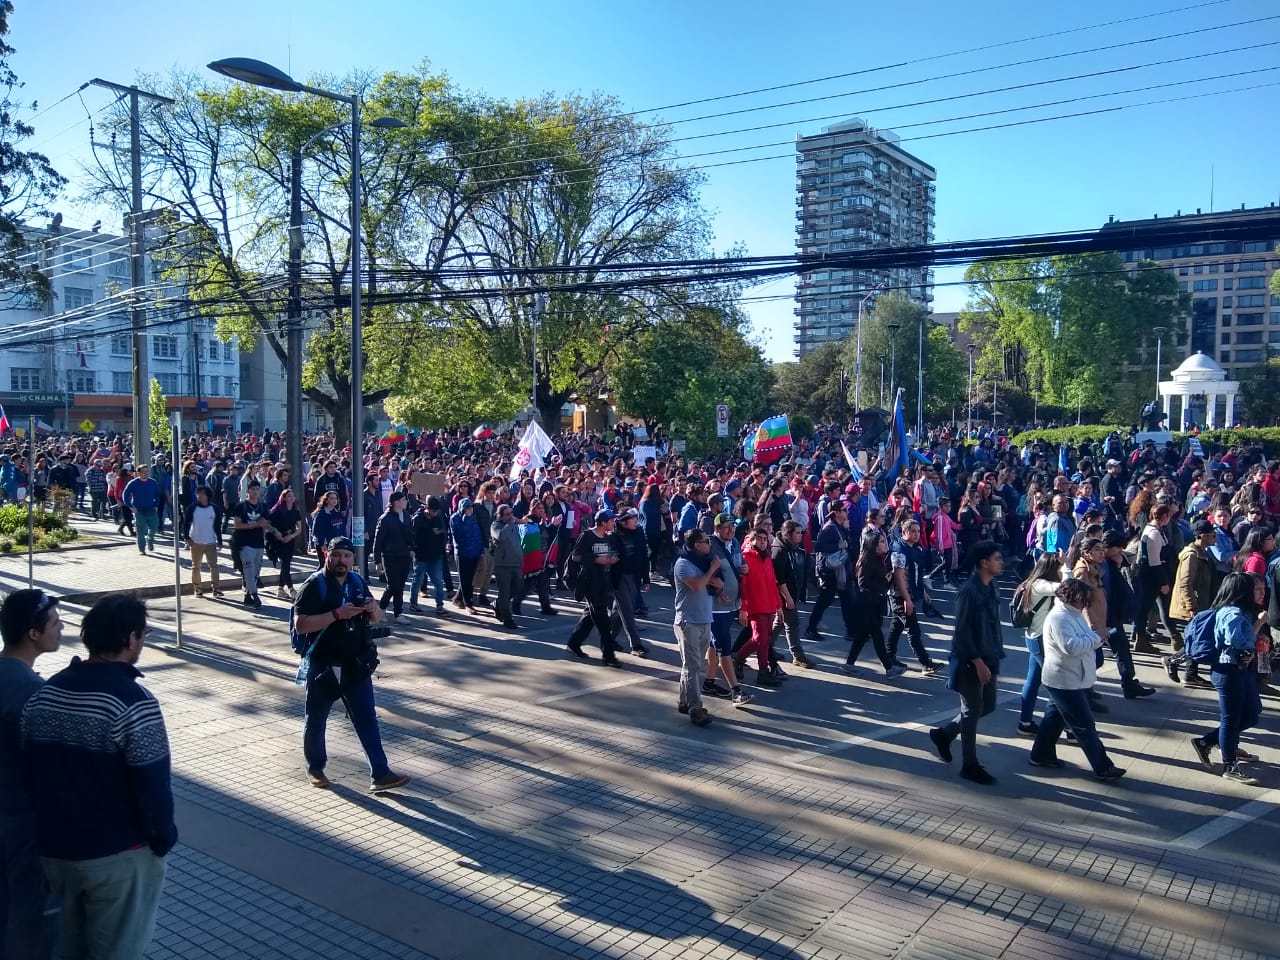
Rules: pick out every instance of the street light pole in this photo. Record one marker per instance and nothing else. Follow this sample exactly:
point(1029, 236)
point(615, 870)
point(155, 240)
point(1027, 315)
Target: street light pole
point(893, 358)
point(969, 429)
point(264, 75)
point(920, 378)
point(1159, 332)
point(857, 360)
point(293, 389)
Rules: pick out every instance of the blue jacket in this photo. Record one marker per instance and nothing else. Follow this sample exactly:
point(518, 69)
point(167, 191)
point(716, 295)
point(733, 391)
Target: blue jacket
point(142, 494)
point(328, 525)
point(466, 535)
point(98, 761)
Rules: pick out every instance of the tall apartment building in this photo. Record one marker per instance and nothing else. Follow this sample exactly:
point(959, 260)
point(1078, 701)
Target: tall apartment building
point(81, 371)
point(856, 189)
point(1234, 317)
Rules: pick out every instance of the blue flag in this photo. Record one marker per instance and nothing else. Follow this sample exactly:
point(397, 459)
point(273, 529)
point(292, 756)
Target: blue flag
point(895, 451)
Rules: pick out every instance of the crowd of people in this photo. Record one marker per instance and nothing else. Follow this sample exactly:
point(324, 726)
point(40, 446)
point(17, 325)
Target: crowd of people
point(1137, 550)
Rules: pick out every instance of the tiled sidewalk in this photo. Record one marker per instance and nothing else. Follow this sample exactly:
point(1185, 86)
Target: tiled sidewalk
point(607, 869)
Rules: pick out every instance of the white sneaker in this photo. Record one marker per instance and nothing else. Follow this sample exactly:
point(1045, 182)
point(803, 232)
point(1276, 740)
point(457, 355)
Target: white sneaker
point(1236, 774)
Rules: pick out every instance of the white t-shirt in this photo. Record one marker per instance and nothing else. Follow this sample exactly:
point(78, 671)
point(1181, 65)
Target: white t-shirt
point(202, 530)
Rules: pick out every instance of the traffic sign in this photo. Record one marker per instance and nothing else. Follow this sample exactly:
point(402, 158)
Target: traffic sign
point(722, 419)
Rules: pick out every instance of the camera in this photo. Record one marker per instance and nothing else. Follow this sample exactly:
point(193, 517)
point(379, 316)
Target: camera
point(377, 631)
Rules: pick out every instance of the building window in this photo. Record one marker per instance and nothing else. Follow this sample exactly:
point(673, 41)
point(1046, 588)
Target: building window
point(1251, 266)
point(24, 378)
point(1251, 300)
point(1252, 283)
point(1249, 336)
point(164, 347)
point(1249, 319)
point(1257, 246)
point(1184, 271)
point(226, 350)
point(1226, 303)
point(168, 383)
point(1225, 357)
point(82, 381)
point(1275, 316)
point(119, 267)
point(213, 348)
point(1202, 285)
point(121, 345)
point(1228, 267)
point(1226, 338)
point(1249, 356)
point(122, 382)
point(1273, 336)
point(86, 345)
point(1226, 320)
point(75, 297)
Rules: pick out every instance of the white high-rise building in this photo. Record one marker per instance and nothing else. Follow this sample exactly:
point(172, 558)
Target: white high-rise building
point(856, 189)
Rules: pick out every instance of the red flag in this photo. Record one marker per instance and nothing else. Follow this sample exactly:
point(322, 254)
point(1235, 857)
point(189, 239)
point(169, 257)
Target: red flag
point(5, 427)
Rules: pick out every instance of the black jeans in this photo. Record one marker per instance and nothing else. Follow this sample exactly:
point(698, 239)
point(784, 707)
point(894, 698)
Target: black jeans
point(848, 605)
point(977, 700)
point(868, 626)
point(911, 626)
point(1149, 596)
point(1070, 708)
point(540, 582)
point(466, 575)
point(397, 571)
point(1118, 641)
point(596, 615)
point(284, 556)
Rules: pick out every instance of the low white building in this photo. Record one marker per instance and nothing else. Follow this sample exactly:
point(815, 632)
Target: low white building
point(80, 370)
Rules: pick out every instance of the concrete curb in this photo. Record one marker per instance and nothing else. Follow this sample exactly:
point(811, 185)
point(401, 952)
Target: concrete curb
point(225, 584)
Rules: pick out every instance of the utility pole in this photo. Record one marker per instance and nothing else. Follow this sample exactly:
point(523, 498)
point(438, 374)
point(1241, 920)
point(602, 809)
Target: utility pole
point(141, 391)
point(293, 400)
point(920, 381)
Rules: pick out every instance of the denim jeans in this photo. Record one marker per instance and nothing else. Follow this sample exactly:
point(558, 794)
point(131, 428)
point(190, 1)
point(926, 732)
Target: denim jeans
point(1239, 706)
point(1031, 685)
point(23, 929)
point(1070, 708)
point(322, 693)
point(434, 569)
point(251, 566)
point(623, 617)
point(145, 522)
point(1118, 641)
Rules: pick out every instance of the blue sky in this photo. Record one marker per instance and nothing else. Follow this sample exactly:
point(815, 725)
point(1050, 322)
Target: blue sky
point(1066, 174)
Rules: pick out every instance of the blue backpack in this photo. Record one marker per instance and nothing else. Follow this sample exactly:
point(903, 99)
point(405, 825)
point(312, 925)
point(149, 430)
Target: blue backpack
point(1199, 638)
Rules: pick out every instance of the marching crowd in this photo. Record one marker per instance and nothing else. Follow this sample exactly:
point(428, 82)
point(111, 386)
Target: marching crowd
point(1168, 553)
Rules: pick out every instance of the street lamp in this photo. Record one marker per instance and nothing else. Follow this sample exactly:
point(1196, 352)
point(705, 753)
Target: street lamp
point(261, 74)
point(972, 348)
point(857, 361)
point(1159, 332)
point(893, 326)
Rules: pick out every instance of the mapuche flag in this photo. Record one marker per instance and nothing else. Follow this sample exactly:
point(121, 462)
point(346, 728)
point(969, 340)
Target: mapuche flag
point(770, 441)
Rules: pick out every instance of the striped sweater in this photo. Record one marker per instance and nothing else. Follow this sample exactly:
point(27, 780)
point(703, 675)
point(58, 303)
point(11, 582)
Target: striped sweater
point(98, 763)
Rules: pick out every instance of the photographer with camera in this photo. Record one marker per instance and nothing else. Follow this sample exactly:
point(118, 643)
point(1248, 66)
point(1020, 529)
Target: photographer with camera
point(333, 632)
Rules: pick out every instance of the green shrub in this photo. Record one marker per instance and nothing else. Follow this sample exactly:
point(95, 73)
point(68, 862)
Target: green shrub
point(1269, 437)
point(1072, 436)
point(6, 545)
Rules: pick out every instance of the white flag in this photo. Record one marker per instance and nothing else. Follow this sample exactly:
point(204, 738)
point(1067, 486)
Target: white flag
point(534, 447)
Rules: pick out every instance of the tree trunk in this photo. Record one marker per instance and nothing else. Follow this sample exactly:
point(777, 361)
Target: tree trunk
point(549, 413)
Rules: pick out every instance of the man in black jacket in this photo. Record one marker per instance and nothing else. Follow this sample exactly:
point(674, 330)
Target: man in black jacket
point(214, 481)
point(791, 569)
point(976, 651)
point(633, 573)
point(429, 530)
point(597, 553)
point(372, 494)
point(392, 550)
point(331, 617)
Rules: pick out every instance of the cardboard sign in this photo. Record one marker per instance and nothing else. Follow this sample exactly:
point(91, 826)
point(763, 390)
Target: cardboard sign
point(640, 454)
point(429, 484)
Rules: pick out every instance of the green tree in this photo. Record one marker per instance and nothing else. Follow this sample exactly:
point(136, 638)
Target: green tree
point(890, 335)
point(1260, 391)
point(675, 374)
point(815, 385)
point(158, 416)
point(28, 183)
point(1071, 329)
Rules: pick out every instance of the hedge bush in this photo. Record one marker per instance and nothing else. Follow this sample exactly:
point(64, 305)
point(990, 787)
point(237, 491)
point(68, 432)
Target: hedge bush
point(1269, 437)
point(1073, 436)
point(13, 520)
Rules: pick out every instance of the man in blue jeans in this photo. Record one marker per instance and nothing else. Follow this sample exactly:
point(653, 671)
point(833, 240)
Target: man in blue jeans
point(428, 531)
point(144, 497)
point(331, 618)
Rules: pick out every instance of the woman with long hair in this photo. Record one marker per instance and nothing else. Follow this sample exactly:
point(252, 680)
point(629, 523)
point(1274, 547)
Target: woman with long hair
point(871, 605)
point(1035, 596)
point(1070, 671)
point(1155, 578)
point(286, 527)
point(1258, 546)
point(1239, 618)
point(327, 522)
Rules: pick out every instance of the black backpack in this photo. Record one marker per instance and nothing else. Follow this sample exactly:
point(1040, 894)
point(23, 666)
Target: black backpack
point(1019, 615)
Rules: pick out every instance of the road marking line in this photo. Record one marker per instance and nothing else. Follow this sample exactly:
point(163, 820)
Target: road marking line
point(1229, 822)
point(585, 691)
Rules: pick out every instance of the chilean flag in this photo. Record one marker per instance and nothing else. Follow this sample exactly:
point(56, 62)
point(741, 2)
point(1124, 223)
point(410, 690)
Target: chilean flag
point(5, 427)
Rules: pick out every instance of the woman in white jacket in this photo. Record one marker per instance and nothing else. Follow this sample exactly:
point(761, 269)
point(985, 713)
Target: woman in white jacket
point(1069, 673)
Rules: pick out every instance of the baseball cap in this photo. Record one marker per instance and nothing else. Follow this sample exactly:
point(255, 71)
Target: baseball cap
point(723, 518)
point(1202, 527)
point(340, 543)
point(603, 516)
point(464, 503)
point(629, 514)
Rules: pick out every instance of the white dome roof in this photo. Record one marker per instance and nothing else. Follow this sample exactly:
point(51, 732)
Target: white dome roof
point(1198, 366)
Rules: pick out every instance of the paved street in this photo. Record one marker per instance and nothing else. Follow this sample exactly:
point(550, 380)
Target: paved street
point(559, 809)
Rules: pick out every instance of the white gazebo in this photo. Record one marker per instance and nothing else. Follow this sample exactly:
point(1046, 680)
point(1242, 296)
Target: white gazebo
point(1196, 376)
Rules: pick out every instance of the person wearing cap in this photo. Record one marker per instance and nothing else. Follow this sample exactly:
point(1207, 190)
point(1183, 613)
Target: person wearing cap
point(596, 553)
point(633, 577)
point(30, 627)
point(331, 616)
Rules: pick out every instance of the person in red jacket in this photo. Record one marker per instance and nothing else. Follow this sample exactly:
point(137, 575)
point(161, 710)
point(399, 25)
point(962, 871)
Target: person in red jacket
point(758, 590)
